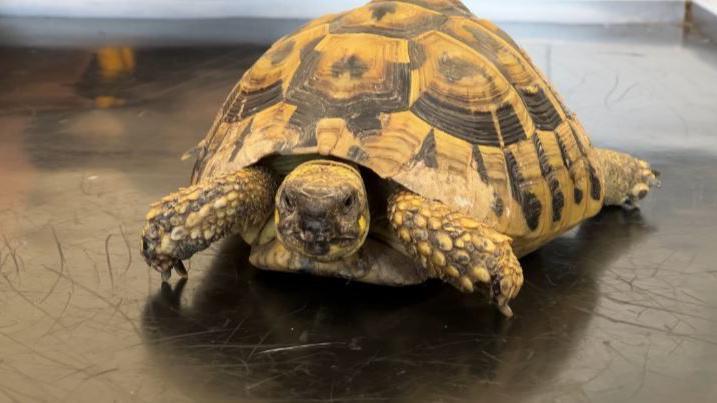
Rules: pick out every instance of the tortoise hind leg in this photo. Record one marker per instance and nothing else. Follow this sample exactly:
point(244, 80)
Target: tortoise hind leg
point(191, 219)
point(456, 248)
point(627, 179)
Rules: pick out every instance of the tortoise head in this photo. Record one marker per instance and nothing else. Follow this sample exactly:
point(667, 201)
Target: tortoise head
point(322, 211)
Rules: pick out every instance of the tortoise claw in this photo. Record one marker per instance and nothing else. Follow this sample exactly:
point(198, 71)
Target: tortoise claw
point(505, 310)
point(178, 266)
point(181, 270)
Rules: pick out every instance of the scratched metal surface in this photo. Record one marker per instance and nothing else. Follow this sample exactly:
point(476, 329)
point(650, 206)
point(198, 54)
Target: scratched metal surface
point(623, 308)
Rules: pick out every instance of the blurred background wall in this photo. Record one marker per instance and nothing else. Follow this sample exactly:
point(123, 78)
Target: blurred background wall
point(557, 11)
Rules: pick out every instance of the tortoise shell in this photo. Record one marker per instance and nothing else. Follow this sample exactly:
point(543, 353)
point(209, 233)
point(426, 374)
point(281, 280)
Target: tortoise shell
point(424, 93)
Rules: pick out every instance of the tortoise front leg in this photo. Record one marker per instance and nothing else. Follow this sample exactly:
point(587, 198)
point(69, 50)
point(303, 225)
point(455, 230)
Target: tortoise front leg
point(188, 221)
point(456, 248)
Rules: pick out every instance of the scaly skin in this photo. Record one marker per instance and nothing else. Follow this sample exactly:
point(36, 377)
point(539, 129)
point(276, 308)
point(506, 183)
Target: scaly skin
point(188, 221)
point(456, 248)
point(627, 179)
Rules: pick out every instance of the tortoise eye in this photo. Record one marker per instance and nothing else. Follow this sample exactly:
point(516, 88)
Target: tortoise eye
point(288, 202)
point(349, 201)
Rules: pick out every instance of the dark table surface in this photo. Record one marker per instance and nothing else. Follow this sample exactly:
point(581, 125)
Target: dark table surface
point(624, 308)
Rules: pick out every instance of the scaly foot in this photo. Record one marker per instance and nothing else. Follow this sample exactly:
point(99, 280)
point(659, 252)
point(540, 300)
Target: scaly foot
point(456, 248)
point(189, 220)
point(627, 179)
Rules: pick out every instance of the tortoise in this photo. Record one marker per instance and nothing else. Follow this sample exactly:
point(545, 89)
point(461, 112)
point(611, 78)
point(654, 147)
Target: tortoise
point(391, 144)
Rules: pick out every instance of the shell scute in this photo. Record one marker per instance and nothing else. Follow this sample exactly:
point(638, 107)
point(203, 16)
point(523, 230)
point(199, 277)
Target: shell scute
point(447, 7)
point(392, 19)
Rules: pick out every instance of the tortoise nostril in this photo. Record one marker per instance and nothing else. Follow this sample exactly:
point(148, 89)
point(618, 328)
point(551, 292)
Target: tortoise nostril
point(313, 230)
point(312, 225)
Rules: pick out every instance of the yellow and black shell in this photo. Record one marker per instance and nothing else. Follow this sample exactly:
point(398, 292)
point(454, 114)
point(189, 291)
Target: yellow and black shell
point(426, 94)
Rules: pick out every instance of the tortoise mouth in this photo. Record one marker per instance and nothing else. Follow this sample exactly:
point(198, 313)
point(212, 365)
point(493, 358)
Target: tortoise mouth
point(317, 248)
point(322, 249)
